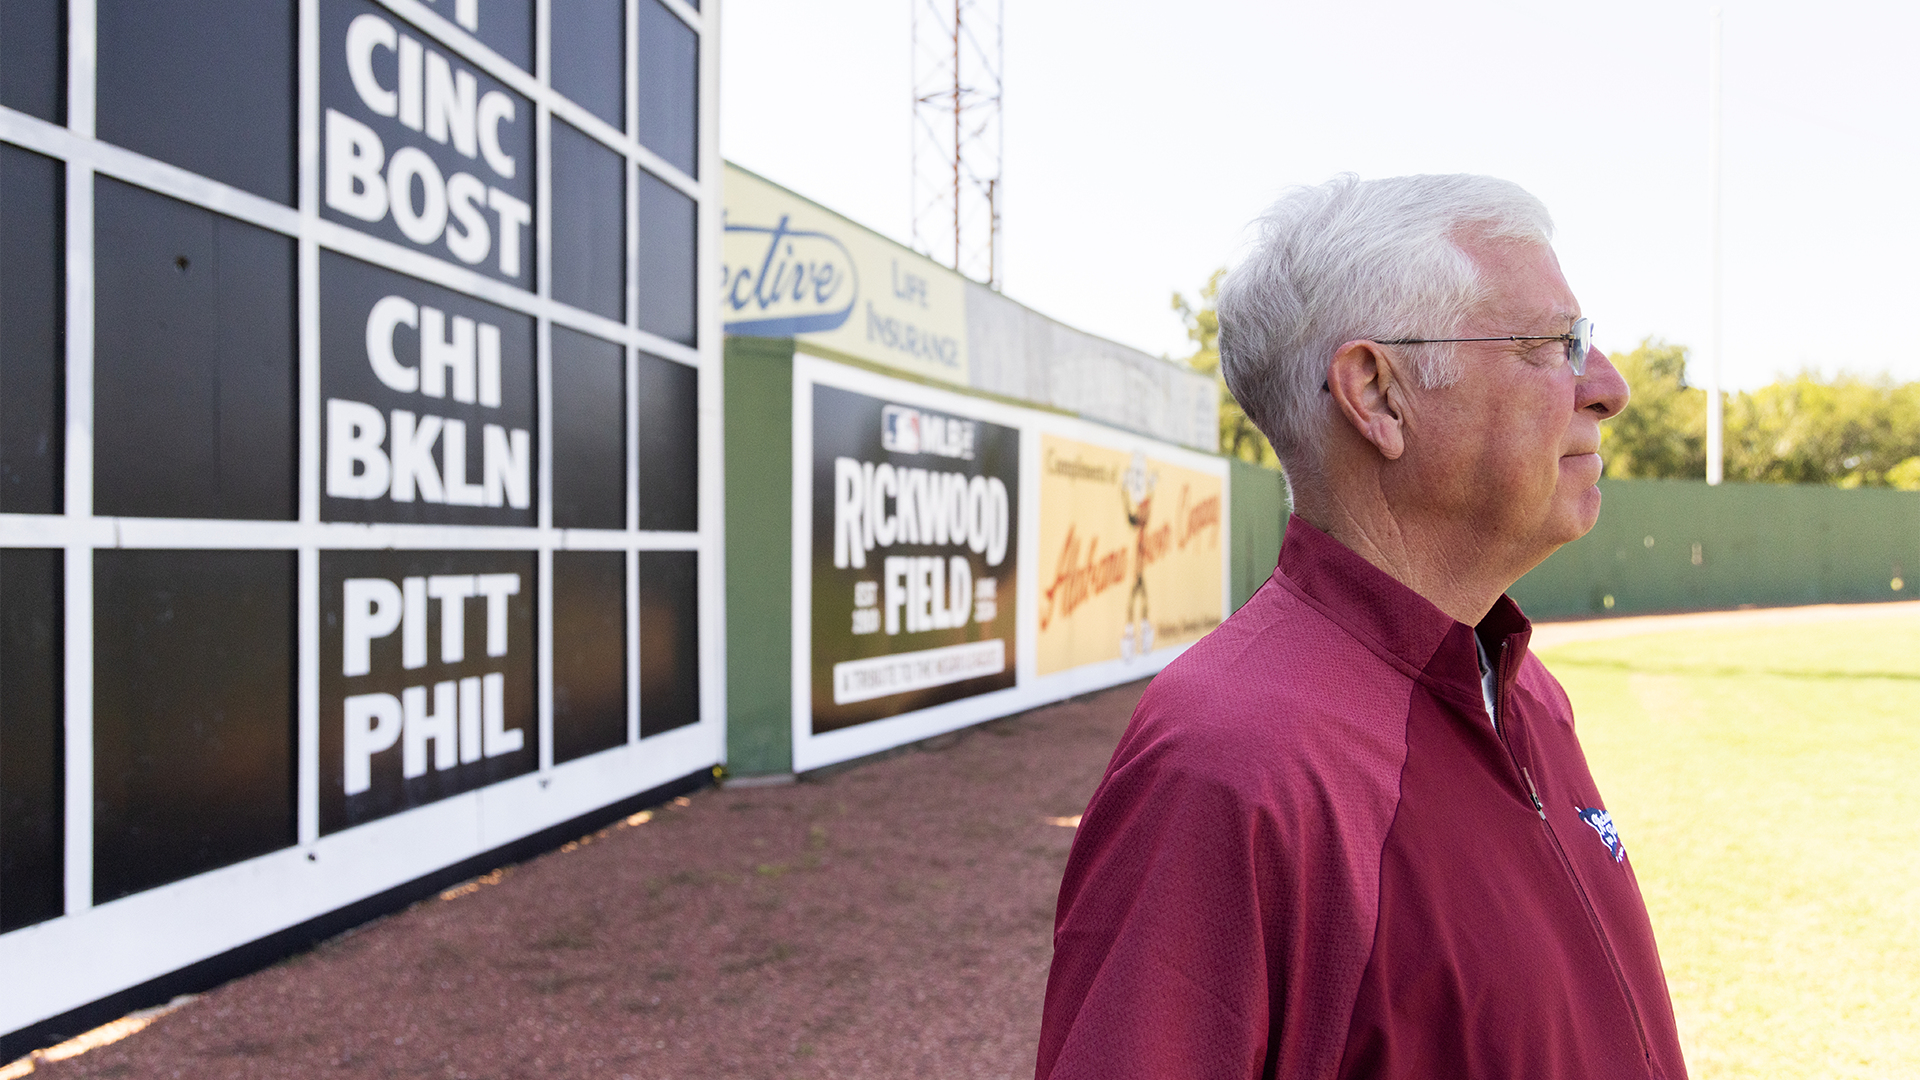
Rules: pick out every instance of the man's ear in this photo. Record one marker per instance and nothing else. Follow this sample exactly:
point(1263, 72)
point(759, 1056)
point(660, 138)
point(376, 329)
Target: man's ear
point(1366, 387)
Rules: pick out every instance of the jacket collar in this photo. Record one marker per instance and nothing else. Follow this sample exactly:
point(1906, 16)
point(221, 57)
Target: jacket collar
point(1398, 624)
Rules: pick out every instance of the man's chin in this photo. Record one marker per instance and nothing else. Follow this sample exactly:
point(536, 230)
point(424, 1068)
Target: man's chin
point(1583, 513)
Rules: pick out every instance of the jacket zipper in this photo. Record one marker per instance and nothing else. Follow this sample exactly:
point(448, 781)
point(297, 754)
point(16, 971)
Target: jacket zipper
point(1566, 864)
point(1532, 791)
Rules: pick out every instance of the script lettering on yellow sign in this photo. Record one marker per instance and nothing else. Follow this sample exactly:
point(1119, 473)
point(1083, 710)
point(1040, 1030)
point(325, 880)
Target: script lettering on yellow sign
point(1130, 554)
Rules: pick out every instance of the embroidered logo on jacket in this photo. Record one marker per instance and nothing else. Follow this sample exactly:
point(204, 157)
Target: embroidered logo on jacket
point(1602, 823)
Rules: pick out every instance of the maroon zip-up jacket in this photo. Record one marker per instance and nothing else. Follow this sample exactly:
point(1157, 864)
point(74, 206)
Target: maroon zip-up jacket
point(1313, 856)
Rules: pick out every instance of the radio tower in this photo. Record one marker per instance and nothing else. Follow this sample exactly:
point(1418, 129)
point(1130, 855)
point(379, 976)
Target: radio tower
point(957, 142)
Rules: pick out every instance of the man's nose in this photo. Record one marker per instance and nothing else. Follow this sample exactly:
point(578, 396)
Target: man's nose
point(1602, 389)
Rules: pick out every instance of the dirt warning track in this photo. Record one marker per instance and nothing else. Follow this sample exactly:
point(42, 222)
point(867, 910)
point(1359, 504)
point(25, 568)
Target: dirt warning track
point(891, 919)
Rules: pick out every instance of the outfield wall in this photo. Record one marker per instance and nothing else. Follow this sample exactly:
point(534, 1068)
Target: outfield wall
point(1677, 545)
point(1259, 518)
point(1673, 545)
point(359, 503)
point(942, 506)
point(1100, 534)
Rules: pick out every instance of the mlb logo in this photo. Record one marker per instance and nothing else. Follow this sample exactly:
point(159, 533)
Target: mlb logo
point(900, 429)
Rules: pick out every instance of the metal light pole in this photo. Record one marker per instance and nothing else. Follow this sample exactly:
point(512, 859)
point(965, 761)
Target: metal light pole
point(958, 145)
point(1715, 418)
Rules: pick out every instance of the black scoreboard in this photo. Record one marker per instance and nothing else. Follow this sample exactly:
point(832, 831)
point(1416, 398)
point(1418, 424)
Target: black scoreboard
point(355, 374)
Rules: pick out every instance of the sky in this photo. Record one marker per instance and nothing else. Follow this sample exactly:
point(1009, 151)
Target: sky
point(1143, 137)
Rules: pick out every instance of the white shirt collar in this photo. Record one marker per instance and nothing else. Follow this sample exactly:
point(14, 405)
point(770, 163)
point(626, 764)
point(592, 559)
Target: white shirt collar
point(1489, 681)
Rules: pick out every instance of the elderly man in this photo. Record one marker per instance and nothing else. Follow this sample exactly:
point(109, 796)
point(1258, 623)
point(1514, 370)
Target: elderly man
point(1351, 833)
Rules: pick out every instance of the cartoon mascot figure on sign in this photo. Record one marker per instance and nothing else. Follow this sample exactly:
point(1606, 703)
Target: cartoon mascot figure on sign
point(1136, 491)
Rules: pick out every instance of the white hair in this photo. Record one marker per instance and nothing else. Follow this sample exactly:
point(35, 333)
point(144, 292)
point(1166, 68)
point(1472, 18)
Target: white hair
point(1355, 259)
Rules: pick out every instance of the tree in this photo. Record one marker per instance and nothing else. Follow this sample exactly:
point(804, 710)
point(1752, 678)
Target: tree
point(1238, 437)
point(1663, 431)
point(1805, 430)
point(1847, 431)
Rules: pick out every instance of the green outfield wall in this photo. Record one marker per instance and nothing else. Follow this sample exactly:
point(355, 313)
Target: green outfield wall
point(1678, 545)
point(758, 425)
point(1258, 509)
point(1674, 545)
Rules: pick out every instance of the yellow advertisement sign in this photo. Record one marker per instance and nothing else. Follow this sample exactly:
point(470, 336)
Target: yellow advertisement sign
point(1130, 556)
point(793, 269)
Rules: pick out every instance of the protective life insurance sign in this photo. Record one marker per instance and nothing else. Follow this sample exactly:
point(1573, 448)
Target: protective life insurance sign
point(914, 557)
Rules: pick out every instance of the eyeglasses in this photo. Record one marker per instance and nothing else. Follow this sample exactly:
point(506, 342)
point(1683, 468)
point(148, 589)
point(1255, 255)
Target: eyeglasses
point(1579, 342)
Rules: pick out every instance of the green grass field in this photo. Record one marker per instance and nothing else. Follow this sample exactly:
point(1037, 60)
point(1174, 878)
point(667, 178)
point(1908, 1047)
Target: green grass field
point(1766, 781)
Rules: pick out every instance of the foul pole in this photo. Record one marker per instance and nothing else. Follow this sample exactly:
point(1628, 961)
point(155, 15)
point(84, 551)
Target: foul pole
point(1715, 417)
